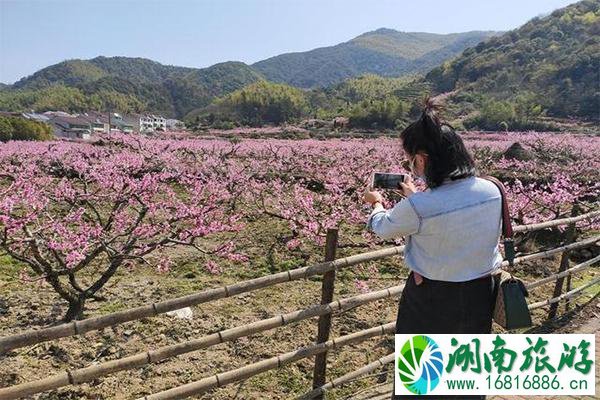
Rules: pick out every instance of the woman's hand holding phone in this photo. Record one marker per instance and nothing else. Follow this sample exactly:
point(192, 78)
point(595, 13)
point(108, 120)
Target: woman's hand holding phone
point(407, 187)
point(372, 197)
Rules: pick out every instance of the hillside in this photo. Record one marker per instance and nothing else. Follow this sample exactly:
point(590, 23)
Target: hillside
point(78, 72)
point(368, 101)
point(125, 84)
point(384, 52)
point(553, 60)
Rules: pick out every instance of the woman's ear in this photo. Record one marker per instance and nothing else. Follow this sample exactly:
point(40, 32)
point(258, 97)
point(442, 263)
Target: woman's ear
point(421, 161)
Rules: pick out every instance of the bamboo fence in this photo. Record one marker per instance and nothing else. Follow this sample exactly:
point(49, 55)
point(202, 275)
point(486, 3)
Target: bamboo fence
point(205, 296)
point(248, 371)
point(78, 376)
point(150, 310)
point(80, 327)
point(327, 268)
point(219, 380)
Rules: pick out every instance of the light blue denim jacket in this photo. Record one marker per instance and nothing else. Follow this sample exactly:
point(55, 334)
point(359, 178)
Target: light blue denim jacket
point(452, 231)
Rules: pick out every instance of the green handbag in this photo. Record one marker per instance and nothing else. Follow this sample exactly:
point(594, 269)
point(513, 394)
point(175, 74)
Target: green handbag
point(510, 309)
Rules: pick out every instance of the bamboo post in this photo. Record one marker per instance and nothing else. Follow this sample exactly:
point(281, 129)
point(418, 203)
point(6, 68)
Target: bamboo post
point(564, 262)
point(325, 320)
point(568, 289)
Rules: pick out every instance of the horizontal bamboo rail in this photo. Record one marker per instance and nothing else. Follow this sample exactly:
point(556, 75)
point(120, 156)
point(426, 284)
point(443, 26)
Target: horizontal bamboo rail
point(80, 327)
point(248, 371)
point(567, 295)
point(556, 222)
point(570, 271)
point(351, 376)
point(82, 375)
point(547, 253)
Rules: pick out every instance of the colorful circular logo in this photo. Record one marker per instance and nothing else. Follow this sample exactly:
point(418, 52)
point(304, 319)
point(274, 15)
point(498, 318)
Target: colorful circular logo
point(420, 364)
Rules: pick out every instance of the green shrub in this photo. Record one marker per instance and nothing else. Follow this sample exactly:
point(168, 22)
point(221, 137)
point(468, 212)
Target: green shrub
point(262, 102)
point(17, 128)
point(385, 113)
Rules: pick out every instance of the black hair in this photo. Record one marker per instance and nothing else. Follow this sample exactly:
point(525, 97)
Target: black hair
point(447, 156)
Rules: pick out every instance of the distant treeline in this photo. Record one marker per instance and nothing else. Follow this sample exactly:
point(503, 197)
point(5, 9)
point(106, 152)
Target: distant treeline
point(17, 128)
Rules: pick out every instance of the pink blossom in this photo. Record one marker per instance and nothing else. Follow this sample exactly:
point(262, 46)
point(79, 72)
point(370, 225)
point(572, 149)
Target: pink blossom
point(212, 267)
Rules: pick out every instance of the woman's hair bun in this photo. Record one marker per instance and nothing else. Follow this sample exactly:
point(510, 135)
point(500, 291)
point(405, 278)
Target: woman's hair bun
point(432, 109)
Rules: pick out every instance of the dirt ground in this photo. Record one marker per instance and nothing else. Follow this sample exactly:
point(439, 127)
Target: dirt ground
point(25, 306)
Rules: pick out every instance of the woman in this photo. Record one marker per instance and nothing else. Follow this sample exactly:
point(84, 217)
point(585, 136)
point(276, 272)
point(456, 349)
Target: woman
point(452, 231)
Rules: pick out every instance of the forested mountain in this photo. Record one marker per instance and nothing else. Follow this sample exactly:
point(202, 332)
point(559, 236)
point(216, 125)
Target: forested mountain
point(78, 72)
point(553, 61)
point(125, 84)
point(384, 52)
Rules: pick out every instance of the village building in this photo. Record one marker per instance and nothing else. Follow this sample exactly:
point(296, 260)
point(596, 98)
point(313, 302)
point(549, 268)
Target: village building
point(82, 126)
point(99, 121)
point(121, 123)
point(151, 123)
point(71, 127)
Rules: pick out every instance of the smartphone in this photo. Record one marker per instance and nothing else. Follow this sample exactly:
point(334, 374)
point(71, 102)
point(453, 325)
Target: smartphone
point(387, 181)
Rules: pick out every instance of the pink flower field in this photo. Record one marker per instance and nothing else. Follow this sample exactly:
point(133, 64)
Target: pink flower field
point(125, 221)
point(127, 200)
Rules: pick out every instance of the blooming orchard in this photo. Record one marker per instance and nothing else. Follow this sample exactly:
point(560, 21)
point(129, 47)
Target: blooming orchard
point(76, 212)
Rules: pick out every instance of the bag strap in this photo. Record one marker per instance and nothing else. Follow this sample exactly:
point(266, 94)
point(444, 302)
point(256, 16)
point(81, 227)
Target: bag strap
point(507, 231)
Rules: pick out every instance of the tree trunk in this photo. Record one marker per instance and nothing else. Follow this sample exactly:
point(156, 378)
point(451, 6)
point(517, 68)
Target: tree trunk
point(76, 306)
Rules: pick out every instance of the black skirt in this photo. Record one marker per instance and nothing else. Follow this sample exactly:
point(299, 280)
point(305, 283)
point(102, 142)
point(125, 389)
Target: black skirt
point(445, 307)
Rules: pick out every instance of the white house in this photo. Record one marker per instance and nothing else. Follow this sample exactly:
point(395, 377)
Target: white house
point(152, 123)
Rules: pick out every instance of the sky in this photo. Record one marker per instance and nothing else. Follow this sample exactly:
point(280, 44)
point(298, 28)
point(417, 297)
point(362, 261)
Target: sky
point(198, 33)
